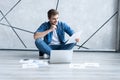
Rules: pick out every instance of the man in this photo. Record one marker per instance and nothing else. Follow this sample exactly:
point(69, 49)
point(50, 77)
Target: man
point(51, 35)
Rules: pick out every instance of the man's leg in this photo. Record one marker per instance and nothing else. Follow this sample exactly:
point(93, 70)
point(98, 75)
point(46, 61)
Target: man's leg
point(42, 46)
point(55, 47)
point(67, 46)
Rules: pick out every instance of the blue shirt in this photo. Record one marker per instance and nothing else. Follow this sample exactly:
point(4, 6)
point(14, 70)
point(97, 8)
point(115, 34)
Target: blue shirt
point(62, 28)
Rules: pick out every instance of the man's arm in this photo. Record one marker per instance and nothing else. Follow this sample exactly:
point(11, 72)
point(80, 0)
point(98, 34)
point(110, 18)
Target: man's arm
point(70, 31)
point(42, 34)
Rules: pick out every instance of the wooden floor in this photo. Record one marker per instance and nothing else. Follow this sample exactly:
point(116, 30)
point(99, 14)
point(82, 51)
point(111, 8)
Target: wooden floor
point(107, 68)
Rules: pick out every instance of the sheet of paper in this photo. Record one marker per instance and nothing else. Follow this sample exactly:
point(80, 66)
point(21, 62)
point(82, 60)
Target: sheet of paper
point(73, 37)
point(29, 63)
point(84, 65)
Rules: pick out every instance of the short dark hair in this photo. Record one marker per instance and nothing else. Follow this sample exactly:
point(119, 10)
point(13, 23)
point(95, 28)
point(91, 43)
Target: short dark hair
point(52, 12)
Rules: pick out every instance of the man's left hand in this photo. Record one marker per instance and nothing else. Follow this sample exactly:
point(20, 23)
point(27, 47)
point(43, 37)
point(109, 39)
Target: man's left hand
point(77, 40)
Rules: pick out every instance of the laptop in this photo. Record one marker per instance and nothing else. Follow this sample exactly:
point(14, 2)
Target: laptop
point(61, 56)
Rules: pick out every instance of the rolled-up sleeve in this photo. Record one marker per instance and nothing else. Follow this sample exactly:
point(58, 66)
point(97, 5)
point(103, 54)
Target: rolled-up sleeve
point(41, 28)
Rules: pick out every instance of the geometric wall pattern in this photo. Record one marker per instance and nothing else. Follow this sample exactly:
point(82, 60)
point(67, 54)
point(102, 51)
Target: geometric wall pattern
point(96, 20)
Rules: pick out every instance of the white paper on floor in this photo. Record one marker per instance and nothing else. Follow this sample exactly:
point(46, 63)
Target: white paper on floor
point(29, 63)
point(84, 65)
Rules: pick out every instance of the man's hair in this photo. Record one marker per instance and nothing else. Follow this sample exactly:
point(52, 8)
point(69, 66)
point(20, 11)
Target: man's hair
point(52, 12)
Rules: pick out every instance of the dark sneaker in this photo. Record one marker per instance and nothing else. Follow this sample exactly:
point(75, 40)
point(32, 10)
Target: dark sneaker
point(41, 54)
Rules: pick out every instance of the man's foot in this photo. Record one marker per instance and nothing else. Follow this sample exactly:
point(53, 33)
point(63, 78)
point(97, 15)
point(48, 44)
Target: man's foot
point(46, 56)
point(43, 56)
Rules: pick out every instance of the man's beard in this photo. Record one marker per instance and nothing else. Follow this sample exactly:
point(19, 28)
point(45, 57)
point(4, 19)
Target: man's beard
point(54, 23)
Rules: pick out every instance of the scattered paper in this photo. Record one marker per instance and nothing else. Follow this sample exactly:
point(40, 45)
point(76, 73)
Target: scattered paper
point(84, 65)
point(28, 63)
point(77, 66)
point(92, 64)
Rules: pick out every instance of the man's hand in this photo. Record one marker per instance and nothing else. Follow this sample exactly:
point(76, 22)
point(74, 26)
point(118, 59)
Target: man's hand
point(44, 33)
point(53, 27)
point(77, 40)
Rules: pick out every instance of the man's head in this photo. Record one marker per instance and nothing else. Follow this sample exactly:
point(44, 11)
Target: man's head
point(53, 16)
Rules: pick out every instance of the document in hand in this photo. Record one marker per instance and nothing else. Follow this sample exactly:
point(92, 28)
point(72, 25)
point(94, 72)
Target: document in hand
point(73, 37)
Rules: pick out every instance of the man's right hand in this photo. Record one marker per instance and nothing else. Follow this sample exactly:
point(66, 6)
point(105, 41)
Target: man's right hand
point(53, 27)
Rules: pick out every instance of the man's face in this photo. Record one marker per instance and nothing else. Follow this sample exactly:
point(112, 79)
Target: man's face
point(53, 19)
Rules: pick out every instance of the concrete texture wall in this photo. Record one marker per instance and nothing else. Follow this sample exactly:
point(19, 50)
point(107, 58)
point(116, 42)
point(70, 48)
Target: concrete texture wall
point(23, 17)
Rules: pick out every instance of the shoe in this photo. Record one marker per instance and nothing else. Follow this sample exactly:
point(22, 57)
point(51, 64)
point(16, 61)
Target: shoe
point(41, 54)
point(46, 56)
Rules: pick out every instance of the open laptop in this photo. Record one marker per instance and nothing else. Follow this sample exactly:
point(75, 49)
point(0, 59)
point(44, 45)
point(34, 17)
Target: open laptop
point(61, 56)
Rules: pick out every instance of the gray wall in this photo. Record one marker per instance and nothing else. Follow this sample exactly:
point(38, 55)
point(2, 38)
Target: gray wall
point(85, 16)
